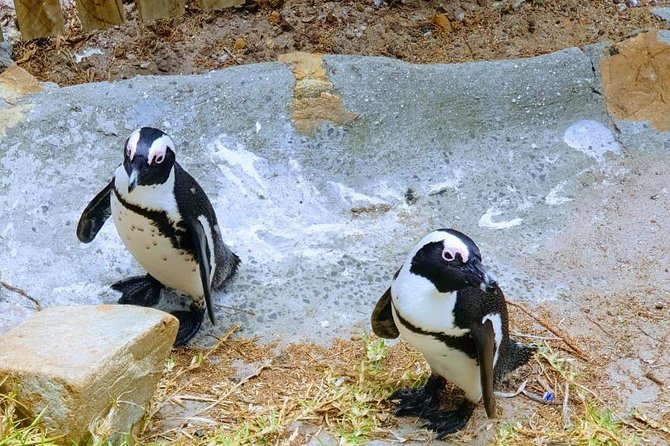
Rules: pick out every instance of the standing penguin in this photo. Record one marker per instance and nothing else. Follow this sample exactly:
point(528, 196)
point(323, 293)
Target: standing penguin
point(168, 224)
point(444, 304)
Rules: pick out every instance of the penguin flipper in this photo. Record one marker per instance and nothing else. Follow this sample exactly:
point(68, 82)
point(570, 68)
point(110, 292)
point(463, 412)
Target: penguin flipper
point(382, 321)
point(95, 215)
point(200, 244)
point(484, 337)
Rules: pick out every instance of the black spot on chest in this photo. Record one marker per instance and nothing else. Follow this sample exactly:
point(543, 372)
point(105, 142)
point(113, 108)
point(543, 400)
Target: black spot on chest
point(177, 233)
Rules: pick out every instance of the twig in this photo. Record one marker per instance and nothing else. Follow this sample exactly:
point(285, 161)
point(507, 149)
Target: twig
point(639, 416)
point(38, 307)
point(236, 309)
point(180, 372)
point(565, 338)
point(651, 377)
point(521, 388)
point(235, 387)
point(566, 408)
point(646, 333)
point(195, 398)
point(542, 338)
point(223, 339)
point(237, 61)
point(597, 324)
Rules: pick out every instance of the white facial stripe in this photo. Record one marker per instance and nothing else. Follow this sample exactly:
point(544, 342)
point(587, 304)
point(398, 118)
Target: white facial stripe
point(496, 321)
point(132, 143)
point(453, 245)
point(159, 147)
point(450, 241)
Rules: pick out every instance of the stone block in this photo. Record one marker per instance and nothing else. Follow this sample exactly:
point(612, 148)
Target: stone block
point(91, 369)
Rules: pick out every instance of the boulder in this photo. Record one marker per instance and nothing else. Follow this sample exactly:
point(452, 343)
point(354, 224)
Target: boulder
point(91, 370)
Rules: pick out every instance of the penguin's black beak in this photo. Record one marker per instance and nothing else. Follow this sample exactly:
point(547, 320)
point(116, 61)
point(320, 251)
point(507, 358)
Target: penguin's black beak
point(136, 167)
point(132, 180)
point(477, 276)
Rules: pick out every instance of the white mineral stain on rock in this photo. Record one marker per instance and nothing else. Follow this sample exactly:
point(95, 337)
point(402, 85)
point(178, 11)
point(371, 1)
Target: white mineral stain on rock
point(486, 220)
point(452, 182)
point(591, 138)
point(353, 197)
point(239, 157)
point(554, 198)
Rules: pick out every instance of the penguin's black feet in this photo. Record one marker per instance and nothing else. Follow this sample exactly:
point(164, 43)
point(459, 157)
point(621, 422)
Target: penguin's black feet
point(448, 422)
point(189, 324)
point(144, 291)
point(418, 402)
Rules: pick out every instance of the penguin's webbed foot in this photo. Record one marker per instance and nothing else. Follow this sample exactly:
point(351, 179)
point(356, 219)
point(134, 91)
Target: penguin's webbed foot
point(144, 291)
point(189, 324)
point(450, 421)
point(418, 402)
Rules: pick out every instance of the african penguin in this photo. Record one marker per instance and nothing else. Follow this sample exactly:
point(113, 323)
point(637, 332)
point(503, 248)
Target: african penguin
point(443, 303)
point(168, 224)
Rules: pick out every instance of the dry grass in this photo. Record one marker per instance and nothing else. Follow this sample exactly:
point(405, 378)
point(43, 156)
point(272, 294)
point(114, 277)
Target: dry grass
point(256, 394)
point(249, 393)
point(242, 392)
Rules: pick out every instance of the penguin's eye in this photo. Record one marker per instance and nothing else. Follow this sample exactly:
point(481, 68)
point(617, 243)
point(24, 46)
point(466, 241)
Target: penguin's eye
point(453, 256)
point(448, 255)
point(159, 159)
point(128, 151)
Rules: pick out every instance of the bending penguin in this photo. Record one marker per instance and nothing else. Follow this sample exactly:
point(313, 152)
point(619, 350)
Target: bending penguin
point(444, 304)
point(168, 224)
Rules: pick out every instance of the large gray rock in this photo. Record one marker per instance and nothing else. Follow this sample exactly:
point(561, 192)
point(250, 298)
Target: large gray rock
point(91, 369)
point(508, 152)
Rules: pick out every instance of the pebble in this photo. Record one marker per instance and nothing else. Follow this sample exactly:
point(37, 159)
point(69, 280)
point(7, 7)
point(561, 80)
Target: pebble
point(442, 22)
point(275, 18)
point(240, 43)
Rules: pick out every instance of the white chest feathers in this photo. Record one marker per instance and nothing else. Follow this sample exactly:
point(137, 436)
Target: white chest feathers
point(173, 267)
point(419, 302)
point(416, 299)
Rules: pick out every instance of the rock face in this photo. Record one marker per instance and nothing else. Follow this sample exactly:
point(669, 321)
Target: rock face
point(91, 369)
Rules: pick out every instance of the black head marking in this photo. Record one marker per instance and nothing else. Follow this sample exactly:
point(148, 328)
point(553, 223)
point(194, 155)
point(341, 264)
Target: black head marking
point(451, 262)
point(149, 153)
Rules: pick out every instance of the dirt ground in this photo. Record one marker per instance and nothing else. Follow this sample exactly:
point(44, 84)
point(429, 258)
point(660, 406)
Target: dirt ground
point(417, 31)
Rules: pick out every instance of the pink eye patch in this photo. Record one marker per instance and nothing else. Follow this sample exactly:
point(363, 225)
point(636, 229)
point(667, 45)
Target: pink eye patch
point(156, 157)
point(451, 253)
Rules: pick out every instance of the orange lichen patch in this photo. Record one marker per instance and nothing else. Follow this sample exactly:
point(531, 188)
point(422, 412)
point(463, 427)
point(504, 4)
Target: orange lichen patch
point(636, 79)
point(15, 82)
point(314, 98)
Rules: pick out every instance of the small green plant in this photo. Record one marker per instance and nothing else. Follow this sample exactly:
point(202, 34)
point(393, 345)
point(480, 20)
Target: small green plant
point(17, 432)
point(507, 434)
point(599, 427)
point(376, 351)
